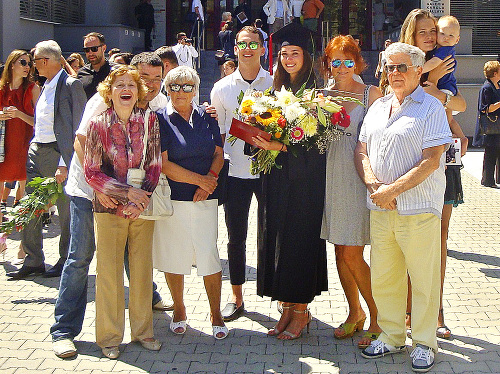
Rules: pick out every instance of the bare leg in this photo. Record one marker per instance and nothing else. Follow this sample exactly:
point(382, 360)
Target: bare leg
point(285, 319)
point(5, 192)
point(237, 294)
point(176, 285)
point(350, 288)
point(213, 285)
point(445, 224)
point(408, 306)
point(21, 186)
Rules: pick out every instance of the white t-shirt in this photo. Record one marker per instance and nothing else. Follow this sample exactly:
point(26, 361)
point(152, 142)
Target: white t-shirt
point(185, 54)
point(76, 185)
point(197, 3)
point(224, 98)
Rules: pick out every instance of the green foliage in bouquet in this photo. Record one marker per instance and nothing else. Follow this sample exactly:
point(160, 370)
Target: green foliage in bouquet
point(46, 192)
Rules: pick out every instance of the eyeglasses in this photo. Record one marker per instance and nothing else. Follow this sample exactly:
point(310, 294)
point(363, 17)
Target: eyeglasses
point(39, 58)
point(402, 68)
point(251, 45)
point(25, 63)
point(347, 63)
point(151, 80)
point(93, 49)
point(185, 87)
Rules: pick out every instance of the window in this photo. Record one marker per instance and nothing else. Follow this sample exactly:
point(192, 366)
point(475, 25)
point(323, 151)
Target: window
point(58, 11)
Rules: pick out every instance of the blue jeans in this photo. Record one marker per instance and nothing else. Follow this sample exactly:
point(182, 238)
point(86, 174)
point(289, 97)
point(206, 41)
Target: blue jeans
point(72, 300)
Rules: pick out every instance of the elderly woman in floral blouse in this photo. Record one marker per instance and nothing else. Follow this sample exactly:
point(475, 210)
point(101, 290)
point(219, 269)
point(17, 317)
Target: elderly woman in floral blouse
point(115, 146)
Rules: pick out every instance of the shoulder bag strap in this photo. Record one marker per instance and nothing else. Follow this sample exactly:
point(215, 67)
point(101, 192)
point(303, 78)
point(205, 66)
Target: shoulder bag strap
point(145, 139)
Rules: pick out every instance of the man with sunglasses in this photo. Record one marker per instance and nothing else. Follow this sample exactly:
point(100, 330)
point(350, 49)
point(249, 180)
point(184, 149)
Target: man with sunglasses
point(97, 68)
point(400, 158)
point(241, 184)
point(57, 114)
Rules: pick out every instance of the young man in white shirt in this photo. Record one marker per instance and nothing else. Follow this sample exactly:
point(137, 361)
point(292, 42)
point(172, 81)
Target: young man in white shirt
point(241, 184)
point(185, 51)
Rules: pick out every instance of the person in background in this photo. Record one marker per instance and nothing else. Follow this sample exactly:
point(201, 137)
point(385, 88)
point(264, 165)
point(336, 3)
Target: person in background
point(18, 97)
point(97, 68)
point(378, 22)
point(226, 16)
point(229, 67)
point(122, 58)
point(113, 51)
point(381, 59)
point(192, 159)
point(75, 60)
point(57, 115)
point(106, 148)
point(242, 15)
point(345, 196)
point(311, 10)
point(185, 51)
point(405, 188)
point(199, 24)
point(296, 9)
point(241, 184)
point(258, 24)
point(489, 102)
point(227, 43)
point(145, 15)
point(169, 60)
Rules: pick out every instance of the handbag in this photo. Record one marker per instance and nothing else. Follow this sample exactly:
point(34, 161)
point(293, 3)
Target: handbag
point(220, 55)
point(160, 205)
point(489, 124)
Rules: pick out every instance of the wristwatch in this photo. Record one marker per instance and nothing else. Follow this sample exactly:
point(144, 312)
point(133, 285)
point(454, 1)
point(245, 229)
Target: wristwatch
point(447, 100)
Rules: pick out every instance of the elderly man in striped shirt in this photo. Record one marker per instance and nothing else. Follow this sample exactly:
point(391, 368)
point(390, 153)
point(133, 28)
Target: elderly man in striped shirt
point(400, 158)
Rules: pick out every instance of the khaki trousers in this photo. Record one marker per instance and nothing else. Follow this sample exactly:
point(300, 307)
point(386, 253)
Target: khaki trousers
point(112, 233)
point(401, 245)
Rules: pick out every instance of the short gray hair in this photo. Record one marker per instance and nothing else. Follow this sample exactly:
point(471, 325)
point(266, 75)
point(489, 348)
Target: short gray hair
point(183, 74)
point(417, 56)
point(49, 48)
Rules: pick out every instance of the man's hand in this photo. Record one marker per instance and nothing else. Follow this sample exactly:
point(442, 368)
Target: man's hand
point(61, 174)
point(384, 197)
point(106, 201)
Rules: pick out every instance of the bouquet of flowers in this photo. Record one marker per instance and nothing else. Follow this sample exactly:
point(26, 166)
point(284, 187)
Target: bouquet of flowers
point(307, 118)
point(46, 192)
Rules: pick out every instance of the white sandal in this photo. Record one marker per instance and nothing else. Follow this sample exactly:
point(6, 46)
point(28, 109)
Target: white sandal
point(175, 325)
point(218, 329)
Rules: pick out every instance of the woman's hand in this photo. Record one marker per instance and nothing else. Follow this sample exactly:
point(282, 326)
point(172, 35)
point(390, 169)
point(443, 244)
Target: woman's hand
point(442, 69)
point(432, 90)
point(139, 197)
point(207, 183)
point(200, 195)
point(106, 201)
point(132, 211)
point(10, 112)
point(272, 145)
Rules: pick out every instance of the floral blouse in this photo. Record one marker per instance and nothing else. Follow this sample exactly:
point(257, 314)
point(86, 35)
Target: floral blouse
point(112, 148)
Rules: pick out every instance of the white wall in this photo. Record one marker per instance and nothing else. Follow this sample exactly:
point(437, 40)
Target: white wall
point(19, 33)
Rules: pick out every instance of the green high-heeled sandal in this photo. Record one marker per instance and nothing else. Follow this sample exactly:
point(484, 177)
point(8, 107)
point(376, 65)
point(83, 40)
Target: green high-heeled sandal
point(349, 329)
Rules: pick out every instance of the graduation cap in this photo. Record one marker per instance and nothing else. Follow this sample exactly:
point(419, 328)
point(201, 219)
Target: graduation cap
point(291, 34)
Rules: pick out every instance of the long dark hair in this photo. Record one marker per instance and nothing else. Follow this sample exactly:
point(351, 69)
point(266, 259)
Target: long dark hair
point(306, 74)
point(7, 75)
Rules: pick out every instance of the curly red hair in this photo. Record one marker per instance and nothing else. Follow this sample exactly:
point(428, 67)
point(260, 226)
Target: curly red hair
point(347, 46)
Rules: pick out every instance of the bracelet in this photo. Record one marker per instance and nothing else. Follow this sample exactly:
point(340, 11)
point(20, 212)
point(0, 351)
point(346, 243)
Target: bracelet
point(282, 145)
point(213, 173)
point(447, 100)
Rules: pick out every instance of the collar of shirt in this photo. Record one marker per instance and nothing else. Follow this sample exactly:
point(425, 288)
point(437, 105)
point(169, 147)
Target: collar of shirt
point(49, 85)
point(171, 110)
point(237, 75)
point(417, 95)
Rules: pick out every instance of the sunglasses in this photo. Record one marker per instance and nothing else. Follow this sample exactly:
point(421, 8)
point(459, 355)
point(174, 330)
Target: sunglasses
point(185, 87)
point(26, 63)
point(402, 68)
point(251, 45)
point(347, 63)
point(93, 49)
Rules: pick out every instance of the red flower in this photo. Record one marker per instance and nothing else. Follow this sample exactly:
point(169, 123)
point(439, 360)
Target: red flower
point(297, 133)
point(341, 118)
point(282, 122)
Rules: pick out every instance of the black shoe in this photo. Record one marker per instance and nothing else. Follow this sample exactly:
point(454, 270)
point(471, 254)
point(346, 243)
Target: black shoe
point(231, 312)
point(26, 271)
point(54, 271)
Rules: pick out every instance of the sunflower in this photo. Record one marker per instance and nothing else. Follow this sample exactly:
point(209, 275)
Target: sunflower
point(268, 117)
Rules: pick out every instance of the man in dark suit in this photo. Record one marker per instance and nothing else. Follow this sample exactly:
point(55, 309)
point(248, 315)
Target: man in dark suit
point(57, 116)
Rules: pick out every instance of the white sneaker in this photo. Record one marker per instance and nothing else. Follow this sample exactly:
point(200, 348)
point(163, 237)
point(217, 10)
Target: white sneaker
point(422, 358)
point(379, 349)
point(64, 348)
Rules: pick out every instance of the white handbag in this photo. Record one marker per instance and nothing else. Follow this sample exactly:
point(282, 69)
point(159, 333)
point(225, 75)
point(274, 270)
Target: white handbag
point(160, 205)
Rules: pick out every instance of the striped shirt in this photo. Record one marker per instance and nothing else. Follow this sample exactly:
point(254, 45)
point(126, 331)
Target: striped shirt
point(395, 145)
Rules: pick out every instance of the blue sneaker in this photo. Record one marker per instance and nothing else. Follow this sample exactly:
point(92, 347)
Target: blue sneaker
point(422, 358)
point(379, 349)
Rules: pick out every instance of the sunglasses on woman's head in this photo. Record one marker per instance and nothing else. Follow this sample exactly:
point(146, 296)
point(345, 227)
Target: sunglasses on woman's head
point(93, 49)
point(251, 45)
point(26, 63)
point(402, 68)
point(347, 63)
point(185, 87)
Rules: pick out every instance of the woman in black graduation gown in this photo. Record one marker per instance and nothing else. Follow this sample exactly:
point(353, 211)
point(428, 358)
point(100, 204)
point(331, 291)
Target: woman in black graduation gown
point(291, 255)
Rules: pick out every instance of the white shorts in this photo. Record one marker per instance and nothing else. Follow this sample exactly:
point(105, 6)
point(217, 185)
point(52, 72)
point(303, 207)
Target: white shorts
point(187, 238)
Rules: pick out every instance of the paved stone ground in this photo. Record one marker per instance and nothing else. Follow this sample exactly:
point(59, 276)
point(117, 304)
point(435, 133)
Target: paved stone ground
point(472, 308)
